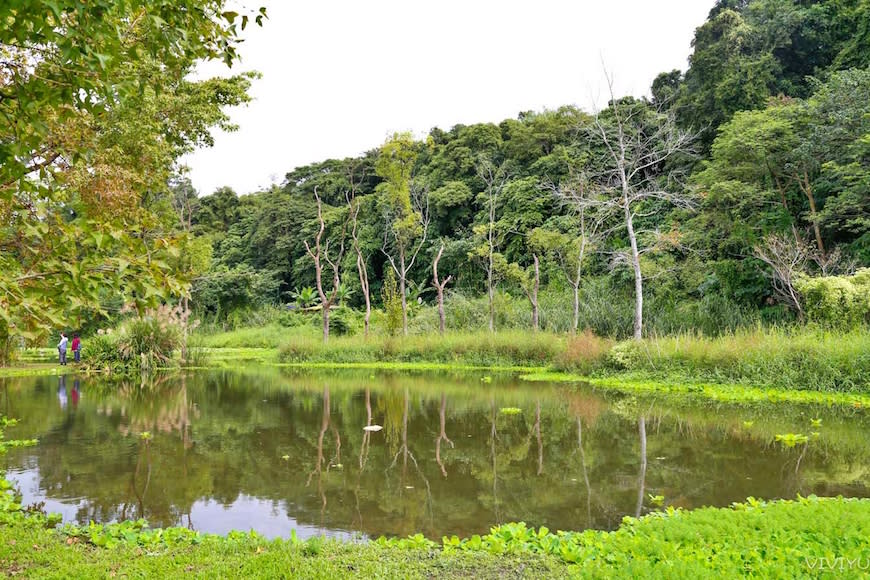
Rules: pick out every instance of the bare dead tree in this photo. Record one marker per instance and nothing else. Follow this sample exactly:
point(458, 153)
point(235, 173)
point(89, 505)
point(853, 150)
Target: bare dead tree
point(320, 254)
point(402, 243)
point(353, 205)
point(439, 287)
point(575, 194)
point(787, 259)
point(495, 178)
point(834, 263)
point(637, 143)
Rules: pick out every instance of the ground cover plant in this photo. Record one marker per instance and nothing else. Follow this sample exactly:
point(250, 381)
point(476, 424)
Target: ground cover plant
point(802, 538)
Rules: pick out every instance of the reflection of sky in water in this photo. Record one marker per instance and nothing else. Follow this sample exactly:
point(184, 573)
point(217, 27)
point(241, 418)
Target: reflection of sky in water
point(269, 518)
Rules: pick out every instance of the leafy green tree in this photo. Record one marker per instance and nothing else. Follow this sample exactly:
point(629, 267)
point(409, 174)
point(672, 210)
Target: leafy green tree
point(393, 304)
point(94, 111)
point(408, 218)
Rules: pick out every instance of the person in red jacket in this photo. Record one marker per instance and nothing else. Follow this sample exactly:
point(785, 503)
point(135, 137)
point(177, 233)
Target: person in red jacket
point(77, 348)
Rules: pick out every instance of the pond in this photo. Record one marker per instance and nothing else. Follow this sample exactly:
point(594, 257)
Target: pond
point(276, 450)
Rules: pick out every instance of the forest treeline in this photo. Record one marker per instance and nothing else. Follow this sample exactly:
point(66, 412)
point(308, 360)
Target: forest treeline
point(736, 194)
point(729, 193)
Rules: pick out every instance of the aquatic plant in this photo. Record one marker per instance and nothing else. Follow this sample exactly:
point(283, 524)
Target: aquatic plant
point(791, 439)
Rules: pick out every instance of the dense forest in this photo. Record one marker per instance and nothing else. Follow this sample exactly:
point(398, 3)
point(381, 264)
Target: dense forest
point(746, 175)
point(737, 194)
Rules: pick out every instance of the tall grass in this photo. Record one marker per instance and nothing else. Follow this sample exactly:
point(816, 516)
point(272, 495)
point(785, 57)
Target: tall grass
point(508, 348)
point(268, 336)
point(731, 347)
point(806, 359)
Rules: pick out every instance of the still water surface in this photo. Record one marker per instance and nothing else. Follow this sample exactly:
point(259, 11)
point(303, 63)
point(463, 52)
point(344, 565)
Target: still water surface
point(277, 450)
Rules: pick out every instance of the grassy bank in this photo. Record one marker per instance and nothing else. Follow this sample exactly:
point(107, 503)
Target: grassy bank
point(802, 360)
point(798, 359)
point(793, 539)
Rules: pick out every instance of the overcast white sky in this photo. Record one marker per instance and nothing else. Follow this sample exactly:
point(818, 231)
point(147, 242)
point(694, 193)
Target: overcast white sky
point(340, 76)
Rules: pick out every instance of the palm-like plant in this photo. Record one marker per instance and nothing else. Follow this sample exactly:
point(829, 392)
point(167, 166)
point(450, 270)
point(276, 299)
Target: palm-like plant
point(305, 297)
point(416, 290)
point(342, 294)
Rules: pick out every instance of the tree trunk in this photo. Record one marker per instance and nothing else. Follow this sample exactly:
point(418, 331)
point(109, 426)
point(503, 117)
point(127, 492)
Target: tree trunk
point(490, 266)
point(638, 277)
point(576, 322)
point(439, 286)
point(441, 324)
point(782, 200)
point(807, 188)
point(186, 314)
point(364, 284)
point(325, 310)
point(403, 275)
point(404, 305)
point(534, 294)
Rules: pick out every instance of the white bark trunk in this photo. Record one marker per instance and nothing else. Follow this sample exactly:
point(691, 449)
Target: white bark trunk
point(638, 276)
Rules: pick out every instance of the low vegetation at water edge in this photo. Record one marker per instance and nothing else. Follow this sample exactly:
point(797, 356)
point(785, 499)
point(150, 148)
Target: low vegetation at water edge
point(795, 539)
point(814, 360)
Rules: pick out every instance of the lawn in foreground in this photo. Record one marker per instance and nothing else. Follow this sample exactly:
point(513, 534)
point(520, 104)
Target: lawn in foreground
point(809, 537)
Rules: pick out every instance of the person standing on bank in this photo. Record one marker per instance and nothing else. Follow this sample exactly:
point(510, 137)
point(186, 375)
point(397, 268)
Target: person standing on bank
point(61, 348)
point(77, 348)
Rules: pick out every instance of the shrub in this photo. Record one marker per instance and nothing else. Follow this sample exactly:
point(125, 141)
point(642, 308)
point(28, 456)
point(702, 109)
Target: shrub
point(343, 321)
point(141, 343)
point(837, 301)
point(156, 335)
point(101, 352)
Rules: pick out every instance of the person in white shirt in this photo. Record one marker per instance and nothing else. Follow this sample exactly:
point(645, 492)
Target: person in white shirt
point(61, 348)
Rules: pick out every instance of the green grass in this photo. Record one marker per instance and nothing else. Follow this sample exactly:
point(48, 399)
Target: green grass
point(509, 348)
point(801, 359)
point(30, 550)
point(783, 539)
point(269, 336)
point(725, 393)
point(28, 369)
point(410, 366)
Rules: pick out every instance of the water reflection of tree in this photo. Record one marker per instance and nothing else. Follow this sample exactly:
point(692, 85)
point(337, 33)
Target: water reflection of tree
point(641, 478)
point(493, 437)
point(321, 459)
point(156, 403)
point(143, 452)
point(363, 457)
point(585, 472)
point(536, 429)
point(442, 433)
point(406, 454)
